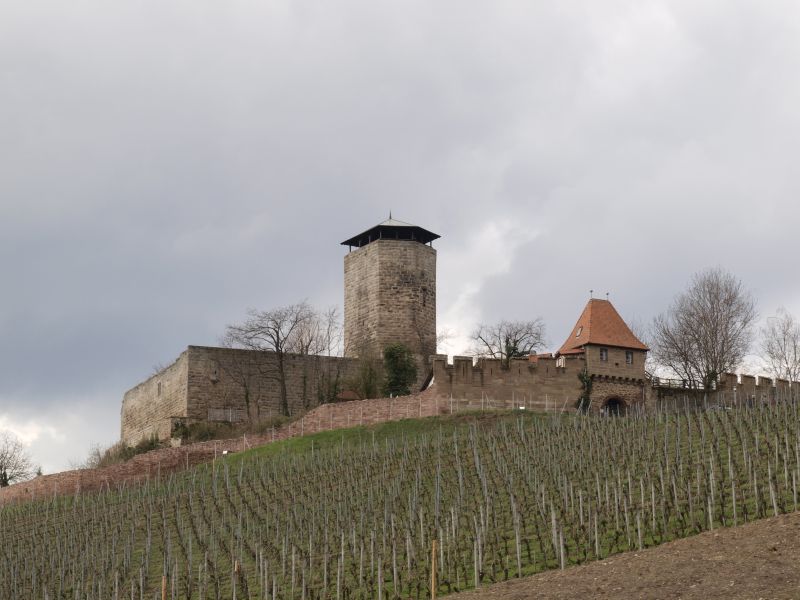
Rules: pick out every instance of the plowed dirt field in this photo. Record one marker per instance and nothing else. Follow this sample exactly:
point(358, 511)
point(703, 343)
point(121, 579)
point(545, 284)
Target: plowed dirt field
point(757, 560)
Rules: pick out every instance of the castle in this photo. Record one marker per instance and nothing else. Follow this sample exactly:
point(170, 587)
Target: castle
point(390, 297)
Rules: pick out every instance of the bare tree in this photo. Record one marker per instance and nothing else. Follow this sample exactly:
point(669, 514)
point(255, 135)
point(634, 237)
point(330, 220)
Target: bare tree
point(318, 336)
point(281, 331)
point(330, 336)
point(296, 329)
point(780, 345)
point(509, 339)
point(15, 463)
point(707, 330)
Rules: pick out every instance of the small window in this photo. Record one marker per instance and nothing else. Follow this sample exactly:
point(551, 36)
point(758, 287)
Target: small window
point(604, 354)
point(629, 357)
point(578, 331)
point(158, 388)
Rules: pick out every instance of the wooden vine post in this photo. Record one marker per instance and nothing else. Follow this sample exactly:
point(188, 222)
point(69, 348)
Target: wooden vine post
point(433, 570)
point(163, 587)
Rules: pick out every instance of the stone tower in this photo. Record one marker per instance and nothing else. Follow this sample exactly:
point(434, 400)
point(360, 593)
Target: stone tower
point(390, 290)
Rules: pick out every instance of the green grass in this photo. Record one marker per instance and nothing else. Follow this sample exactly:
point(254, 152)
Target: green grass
point(378, 434)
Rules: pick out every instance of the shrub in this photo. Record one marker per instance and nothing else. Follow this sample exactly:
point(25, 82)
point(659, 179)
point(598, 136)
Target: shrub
point(401, 370)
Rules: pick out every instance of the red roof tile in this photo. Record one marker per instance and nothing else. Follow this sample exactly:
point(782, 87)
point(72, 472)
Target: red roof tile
point(600, 324)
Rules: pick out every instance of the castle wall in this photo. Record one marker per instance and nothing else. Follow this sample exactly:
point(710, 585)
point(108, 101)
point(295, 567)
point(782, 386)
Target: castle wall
point(238, 385)
point(541, 383)
point(149, 408)
point(745, 389)
point(390, 296)
point(676, 399)
point(225, 384)
point(731, 390)
point(537, 385)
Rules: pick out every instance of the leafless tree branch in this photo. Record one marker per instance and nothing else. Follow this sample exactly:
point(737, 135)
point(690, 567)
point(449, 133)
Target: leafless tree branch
point(780, 345)
point(15, 463)
point(509, 339)
point(707, 330)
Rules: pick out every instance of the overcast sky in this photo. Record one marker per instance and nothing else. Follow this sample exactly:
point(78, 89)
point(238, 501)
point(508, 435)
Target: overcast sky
point(166, 164)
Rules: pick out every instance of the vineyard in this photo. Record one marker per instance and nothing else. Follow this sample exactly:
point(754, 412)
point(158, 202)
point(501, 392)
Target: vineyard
point(474, 502)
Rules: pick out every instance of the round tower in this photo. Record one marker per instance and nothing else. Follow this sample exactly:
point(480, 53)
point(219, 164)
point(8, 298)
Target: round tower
point(390, 290)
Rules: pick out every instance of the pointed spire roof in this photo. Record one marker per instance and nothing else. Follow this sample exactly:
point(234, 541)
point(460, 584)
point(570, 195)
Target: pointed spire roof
point(601, 325)
point(392, 229)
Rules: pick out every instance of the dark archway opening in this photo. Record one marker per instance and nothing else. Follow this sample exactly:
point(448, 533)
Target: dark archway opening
point(614, 407)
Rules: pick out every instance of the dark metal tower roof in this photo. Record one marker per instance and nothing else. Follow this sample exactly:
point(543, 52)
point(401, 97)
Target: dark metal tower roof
point(392, 229)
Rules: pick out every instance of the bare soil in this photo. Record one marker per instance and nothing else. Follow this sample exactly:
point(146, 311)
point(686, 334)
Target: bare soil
point(757, 560)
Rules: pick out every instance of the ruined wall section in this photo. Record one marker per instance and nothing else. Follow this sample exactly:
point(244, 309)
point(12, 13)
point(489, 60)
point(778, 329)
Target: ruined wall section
point(150, 408)
point(390, 297)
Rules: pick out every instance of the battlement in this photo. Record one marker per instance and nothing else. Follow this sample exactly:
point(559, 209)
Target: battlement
point(748, 388)
point(540, 383)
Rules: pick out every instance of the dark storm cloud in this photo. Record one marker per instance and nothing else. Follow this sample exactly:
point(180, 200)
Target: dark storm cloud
point(164, 165)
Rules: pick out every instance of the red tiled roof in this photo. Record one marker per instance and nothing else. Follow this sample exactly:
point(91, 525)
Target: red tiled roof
point(600, 324)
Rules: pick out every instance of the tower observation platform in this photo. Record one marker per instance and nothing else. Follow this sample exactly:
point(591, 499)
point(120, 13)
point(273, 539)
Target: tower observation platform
point(391, 229)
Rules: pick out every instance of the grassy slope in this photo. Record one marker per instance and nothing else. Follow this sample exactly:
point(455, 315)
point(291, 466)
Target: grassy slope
point(392, 430)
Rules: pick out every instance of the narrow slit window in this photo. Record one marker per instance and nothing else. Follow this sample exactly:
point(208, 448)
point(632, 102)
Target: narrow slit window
point(604, 354)
point(629, 357)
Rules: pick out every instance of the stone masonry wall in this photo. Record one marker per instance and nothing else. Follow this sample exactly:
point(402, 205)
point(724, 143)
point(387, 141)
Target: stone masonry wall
point(632, 393)
point(735, 389)
point(731, 390)
point(244, 382)
point(539, 384)
point(615, 365)
point(149, 408)
point(223, 384)
point(390, 296)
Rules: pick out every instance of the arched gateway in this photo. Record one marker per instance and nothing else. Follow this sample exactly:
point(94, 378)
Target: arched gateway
point(614, 407)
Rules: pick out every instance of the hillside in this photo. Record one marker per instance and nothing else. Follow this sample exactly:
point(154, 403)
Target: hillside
point(158, 463)
point(354, 513)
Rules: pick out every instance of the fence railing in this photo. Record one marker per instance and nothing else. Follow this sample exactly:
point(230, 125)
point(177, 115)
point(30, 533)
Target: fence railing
point(681, 384)
point(230, 415)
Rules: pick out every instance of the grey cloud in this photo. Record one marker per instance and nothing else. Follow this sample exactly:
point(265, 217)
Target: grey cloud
point(165, 165)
